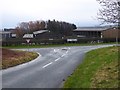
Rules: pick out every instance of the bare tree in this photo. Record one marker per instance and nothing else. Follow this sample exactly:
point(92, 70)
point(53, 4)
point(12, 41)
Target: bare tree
point(18, 32)
point(24, 26)
point(110, 11)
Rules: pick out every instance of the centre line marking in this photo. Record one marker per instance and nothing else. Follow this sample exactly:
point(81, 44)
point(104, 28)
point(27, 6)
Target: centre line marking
point(47, 65)
point(57, 59)
point(66, 52)
point(63, 55)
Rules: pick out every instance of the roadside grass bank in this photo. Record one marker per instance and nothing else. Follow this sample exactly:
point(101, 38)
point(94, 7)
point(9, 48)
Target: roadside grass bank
point(56, 45)
point(99, 70)
point(12, 58)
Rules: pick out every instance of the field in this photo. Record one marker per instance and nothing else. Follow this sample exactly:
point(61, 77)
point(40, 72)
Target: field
point(98, 70)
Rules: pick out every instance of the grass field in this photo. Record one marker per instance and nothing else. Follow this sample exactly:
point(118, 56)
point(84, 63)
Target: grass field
point(56, 45)
point(12, 58)
point(98, 70)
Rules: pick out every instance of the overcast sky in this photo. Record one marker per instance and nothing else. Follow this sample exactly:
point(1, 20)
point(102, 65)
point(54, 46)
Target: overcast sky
point(79, 12)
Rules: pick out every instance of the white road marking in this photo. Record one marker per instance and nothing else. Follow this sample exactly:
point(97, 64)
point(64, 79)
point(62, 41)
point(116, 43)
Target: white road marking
point(57, 59)
point(56, 50)
point(66, 52)
point(63, 55)
point(47, 65)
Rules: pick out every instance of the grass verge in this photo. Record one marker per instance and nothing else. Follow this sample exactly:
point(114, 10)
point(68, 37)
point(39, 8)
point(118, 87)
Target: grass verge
point(12, 58)
point(98, 70)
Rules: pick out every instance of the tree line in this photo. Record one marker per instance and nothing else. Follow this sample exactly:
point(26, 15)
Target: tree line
point(56, 27)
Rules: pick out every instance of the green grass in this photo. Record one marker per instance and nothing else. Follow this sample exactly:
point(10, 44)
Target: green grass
point(106, 77)
point(55, 45)
point(98, 70)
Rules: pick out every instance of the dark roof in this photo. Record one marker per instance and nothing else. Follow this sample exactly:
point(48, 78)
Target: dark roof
point(91, 28)
point(5, 29)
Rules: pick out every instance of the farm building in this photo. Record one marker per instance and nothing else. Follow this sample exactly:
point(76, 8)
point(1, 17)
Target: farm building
point(42, 34)
point(89, 32)
point(105, 34)
point(111, 33)
point(7, 34)
point(80, 35)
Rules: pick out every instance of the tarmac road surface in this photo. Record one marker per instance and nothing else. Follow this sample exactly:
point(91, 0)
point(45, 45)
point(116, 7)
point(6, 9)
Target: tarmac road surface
point(49, 70)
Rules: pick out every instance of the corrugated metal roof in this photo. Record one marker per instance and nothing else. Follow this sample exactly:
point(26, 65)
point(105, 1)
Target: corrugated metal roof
point(91, 28)
point(28, 36)
point(40, 31)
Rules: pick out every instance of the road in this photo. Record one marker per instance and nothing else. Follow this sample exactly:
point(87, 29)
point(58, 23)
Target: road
point(49, 70)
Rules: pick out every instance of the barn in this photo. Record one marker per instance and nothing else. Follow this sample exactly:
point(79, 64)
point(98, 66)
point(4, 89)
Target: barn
point(89, 32)
point(111, 34)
